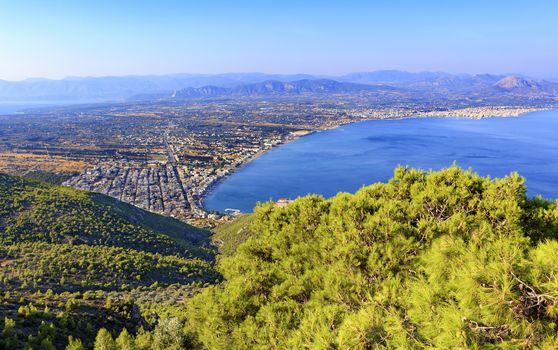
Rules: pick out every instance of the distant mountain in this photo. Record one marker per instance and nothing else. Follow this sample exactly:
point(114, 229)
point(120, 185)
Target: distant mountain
point(305, 85)
point(389, 77)
point(444, 82)
point(275, 87)
point(205, 85)
point(485, 84)
point(455, 83)
point(513, 82)
point(204, 91)
point(115, 88)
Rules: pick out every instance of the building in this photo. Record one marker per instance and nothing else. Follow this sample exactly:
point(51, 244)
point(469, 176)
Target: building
point(281, 202)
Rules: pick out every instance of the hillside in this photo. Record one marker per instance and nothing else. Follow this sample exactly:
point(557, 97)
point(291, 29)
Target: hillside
point(437, 260)
point(186, 86)
point(230, 235)
point(275, 87)
point(121, 87)
point(77, 260)
point(432, 88)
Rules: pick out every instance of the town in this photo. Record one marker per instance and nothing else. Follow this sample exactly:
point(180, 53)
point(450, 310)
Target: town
point(164, 156)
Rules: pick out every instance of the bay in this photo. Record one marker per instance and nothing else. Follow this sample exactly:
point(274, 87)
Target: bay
point(359, 154)
point(19, 107)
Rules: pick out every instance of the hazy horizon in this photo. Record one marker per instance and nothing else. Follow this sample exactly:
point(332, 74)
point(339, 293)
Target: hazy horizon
point(57, 40)
point(330, 76)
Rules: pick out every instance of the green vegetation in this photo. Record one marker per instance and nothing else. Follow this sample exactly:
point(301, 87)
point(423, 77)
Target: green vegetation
point(36, 212)
point(48, 176)
point(73, 262)
point(99, 267)
point(171, 227)
point(230, 235)
point(429, 260)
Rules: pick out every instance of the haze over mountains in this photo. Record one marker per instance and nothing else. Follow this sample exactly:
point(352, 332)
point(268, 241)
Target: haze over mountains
point(271, 87)
point(199, 85)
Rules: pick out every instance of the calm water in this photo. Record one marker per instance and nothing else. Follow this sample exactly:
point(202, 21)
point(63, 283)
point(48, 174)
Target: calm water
point(359, 154)
point(14, 107)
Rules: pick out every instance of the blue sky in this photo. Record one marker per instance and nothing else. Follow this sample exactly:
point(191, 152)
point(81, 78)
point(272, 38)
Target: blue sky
point(58, 38)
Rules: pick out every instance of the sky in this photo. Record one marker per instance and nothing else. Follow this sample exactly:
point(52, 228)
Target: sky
point(59, 38)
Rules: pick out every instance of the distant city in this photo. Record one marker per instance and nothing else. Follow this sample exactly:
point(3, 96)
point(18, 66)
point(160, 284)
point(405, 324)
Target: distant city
point(278, 174)
point(164, 151)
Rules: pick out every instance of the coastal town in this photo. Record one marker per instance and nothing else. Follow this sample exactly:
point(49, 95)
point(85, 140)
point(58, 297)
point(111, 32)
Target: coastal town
point(165, 157)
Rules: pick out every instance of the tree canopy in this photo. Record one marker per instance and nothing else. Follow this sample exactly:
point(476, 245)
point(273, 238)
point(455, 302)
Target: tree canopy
point(73, 262)
point(429, 260)
point(443, 259)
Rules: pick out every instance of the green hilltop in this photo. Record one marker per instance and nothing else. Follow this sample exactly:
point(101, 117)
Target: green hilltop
point(229, 235)
point(428, 260)
point(440, 260)
point(76, 260)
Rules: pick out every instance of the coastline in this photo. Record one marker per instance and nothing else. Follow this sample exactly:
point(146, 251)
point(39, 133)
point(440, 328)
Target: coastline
point(459, 114)
point(216, 182)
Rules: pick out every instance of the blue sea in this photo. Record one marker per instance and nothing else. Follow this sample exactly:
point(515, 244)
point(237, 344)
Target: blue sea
point(354, 155)
point(16, 107)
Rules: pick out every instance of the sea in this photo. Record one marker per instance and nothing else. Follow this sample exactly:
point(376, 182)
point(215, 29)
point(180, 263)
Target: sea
point(19, 107)
point(360, 154)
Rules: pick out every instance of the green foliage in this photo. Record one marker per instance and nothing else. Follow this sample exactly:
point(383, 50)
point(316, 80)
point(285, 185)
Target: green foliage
point(442, 259)
point(169, 335)
point(74, 344)
point(37, 212)
point(104, 341)
point(49, 177)
point(143, 340)
point(125, 341)
point(9, 335)
point(97, 267)
point(230, 235)
point(73, 262)
point(181, 232)
point(44, 338)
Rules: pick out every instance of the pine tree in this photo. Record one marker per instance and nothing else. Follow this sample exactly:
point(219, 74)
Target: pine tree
point(9, 334)
point(443, 259)
point(169, 335)
point(104, 341)
point(125, 341)
point(143, 340)
point(74, 344)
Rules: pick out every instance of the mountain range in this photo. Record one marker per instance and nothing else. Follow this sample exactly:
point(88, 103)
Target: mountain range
point(199, 85)
point(478, 85)
point(274, 87)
